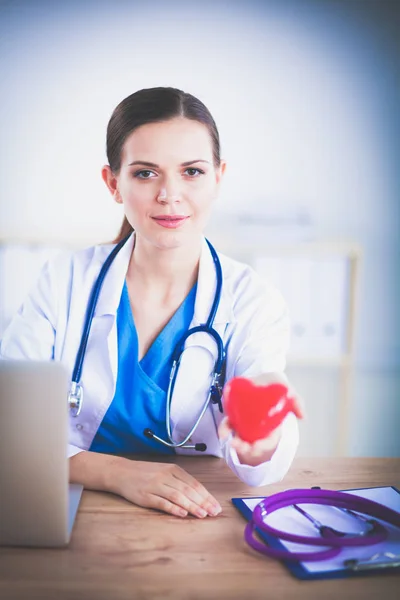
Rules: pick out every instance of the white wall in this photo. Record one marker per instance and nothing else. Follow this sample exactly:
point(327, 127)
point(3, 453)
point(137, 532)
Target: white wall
point(304, 94)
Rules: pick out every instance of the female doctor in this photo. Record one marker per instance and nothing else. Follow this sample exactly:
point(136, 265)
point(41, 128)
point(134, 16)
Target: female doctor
point(165, 169)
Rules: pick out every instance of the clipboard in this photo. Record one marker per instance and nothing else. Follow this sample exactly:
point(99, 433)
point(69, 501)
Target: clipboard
point(350, 562)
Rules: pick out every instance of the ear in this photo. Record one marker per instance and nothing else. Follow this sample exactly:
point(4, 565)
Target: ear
point(220, 171)
point(111, 182)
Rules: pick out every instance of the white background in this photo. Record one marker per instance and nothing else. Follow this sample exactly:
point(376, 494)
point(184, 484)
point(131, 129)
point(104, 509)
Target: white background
point(305, 95)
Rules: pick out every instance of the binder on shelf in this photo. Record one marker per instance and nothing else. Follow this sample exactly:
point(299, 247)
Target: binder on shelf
point(330, 281)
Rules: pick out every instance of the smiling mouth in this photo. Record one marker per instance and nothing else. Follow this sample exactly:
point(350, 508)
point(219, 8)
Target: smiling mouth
point(170, 218)
point(170, 221)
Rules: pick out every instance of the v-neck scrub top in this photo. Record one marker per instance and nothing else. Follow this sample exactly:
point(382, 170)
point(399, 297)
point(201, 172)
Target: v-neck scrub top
point(141, 387)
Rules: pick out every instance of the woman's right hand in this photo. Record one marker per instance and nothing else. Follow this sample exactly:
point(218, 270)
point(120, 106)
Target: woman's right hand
point(162, 486)
point(166, 487)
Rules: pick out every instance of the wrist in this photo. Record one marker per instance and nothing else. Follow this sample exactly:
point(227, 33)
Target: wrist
point(115, 474)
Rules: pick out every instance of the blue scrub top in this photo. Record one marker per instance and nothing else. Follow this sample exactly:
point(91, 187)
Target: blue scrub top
point(141, 387)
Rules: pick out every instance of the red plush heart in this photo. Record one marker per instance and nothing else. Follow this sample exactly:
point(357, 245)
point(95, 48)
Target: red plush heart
point(254, 411)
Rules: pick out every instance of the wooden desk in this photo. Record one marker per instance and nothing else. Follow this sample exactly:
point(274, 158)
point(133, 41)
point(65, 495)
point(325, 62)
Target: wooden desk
point(120, 551)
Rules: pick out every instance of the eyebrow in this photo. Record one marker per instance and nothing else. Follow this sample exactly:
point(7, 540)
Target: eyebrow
point(150, 164)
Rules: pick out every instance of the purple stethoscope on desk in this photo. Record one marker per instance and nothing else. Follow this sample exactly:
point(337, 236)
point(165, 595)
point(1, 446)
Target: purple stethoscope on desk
point(336, 540)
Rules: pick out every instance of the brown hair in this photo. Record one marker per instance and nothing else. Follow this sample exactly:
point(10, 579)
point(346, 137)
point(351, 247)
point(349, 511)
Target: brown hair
point(151, 106)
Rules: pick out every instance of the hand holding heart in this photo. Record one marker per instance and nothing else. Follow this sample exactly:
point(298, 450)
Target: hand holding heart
point(255, 409)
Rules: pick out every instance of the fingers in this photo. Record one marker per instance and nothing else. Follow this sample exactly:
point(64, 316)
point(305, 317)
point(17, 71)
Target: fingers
point(194, 493)
point(278, 377)
point(259, 447)
point(165, 505)
point(240, 446)
point(183, 501)
point(176, 492)
point(297, 404)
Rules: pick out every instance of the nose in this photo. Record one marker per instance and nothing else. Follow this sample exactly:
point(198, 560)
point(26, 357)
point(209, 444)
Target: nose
point(169, 194)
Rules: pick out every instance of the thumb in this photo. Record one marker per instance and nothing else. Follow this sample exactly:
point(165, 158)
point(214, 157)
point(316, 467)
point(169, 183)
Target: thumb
point(224, 429)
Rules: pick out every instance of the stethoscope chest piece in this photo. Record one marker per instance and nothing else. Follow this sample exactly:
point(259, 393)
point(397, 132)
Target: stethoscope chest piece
point(75, 398)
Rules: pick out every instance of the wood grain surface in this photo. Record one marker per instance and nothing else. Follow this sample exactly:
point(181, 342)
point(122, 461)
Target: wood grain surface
point(121, 551)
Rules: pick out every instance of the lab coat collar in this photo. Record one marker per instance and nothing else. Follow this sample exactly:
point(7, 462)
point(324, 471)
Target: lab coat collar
point(110, 294)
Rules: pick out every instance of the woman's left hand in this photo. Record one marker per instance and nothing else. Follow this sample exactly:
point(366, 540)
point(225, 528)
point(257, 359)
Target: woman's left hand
point(260, 451)
point(253, 453)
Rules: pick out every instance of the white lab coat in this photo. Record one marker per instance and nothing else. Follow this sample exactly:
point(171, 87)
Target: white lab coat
point(251, 319)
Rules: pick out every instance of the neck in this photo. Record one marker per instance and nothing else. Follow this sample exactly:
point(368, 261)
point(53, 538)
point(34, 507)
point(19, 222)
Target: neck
point(167, 271)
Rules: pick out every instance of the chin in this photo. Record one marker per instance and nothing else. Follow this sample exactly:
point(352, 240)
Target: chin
point(173, 239)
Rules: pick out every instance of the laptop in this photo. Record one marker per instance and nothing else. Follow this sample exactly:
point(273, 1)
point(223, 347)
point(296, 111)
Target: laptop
point(37, 504)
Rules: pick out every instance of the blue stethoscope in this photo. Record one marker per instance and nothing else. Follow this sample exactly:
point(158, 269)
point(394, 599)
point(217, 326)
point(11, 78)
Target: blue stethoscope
point(75, 396)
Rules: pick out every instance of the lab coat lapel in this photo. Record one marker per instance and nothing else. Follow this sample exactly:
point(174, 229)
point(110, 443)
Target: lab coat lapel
point(100, 363)
point(104, 329)
point(110, 294)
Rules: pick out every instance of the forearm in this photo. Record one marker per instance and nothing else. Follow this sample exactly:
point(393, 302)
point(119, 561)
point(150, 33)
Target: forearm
point(97, 471)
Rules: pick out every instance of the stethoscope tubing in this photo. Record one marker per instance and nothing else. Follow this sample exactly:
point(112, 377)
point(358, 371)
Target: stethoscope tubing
point(208, 329)
point(327, 498)
point(76, 392)
point(334, 542)
point(77, 372)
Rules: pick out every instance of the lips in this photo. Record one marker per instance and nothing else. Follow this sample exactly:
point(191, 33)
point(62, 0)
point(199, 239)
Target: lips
point(169, 217)
point(170, 221)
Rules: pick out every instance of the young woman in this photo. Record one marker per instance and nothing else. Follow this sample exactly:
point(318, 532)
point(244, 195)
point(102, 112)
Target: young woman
point(165, 168)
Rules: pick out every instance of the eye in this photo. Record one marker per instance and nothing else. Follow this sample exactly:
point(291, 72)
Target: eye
point(144, 174)
point(193, 172)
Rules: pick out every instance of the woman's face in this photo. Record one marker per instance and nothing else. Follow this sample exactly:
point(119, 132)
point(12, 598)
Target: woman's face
point(167, 181)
